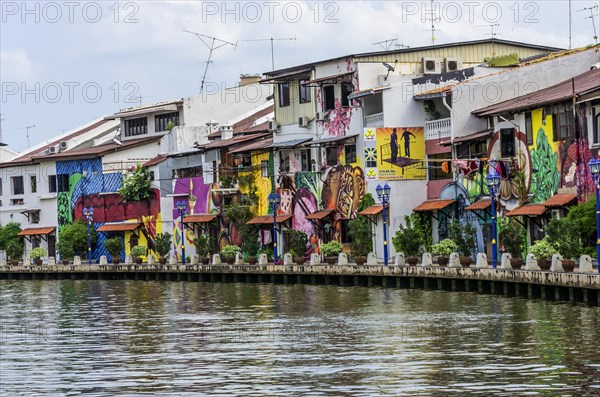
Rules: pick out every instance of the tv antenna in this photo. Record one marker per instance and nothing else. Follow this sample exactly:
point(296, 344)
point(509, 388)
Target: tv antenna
point(434, 19)
point(27, 133)
point(592, 15)
point(140, 97)
point(493, 33)
point(272, 39)
point(215, 44)
point(387, 44)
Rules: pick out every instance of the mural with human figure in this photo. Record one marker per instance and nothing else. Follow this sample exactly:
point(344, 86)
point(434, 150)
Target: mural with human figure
point(394, 153)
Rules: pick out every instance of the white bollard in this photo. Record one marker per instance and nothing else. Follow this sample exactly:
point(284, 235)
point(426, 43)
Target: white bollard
point(172, 260)
point(585, 264)
point(315, 259)
point(27, 262)
point(239, 259)
point(399, 260)
point(481, 261)
point(371, 259)
point(51, 261)
point(531, 263)
point(288, 260)
point(194, 260)
point(454, 260)
point(557, 263)
point(342, 259)
point(76, 261)
point(151, 260)
point(128, 260)
point(216, 259)
point(426, 259)
point(103, 260)
point(505, 261)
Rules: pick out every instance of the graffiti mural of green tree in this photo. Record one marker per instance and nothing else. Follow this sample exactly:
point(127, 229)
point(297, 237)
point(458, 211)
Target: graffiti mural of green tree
point(545, 178)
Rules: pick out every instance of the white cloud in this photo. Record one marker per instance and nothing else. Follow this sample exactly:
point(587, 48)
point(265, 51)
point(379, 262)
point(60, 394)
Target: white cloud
point(15, 65)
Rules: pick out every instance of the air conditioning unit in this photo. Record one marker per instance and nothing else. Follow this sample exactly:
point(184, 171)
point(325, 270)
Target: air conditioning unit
point(432, 66)
point(52, 149)
point(303, 121)
point(453, 64)
point(63, 145)
point(322, 115)
point(273, 125)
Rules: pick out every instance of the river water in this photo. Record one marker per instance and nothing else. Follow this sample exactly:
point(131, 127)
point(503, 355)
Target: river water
point(137, 338)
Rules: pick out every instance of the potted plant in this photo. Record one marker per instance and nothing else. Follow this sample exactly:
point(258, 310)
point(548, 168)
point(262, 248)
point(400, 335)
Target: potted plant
point(408, 240)
point(443, 249)
point(543, 251)
point(297, 241)
point(361, 235)
point(565, 235)
point(331, 250)
point(229, 253)
point(464, 237)
point(163, 246)
point(513, 237)
point(250, 243)
point(75, 235)
point(203, 244)
point(137, 252)
point(37, 254)
point(114, 246)
point(66, 251)
point(14, 250)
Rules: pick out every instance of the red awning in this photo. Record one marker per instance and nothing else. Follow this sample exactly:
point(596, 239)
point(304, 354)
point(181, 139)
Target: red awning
point(433, 205)
point(319, 215)
point(479, 205)
point(200, 218)
point(267, 219)
point(560, 200)
point(528, 210)
point(119, 227)
point(37, 231)
point(372, 210)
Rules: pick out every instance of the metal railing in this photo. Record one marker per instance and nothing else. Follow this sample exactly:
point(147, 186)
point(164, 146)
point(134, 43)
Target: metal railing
point(437, 129)
point(374, 120)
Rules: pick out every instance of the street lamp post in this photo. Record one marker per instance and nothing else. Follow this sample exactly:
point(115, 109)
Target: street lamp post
point(274, 200)
point(182, 207)
point(595, 171)
point(383, 193)
point(88, 214)
point(493, 181)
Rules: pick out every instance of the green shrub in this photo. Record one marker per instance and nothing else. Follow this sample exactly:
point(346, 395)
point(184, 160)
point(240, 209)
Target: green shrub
point(203, 244)
point(332, 248)
point(361, 233)
point(136, 185)
point(513, 237)
point(15, 249)
point(464, 237)
point(250, 243)
point(565, 235)
point(543, 249)
point(38, 253)
point(138, 251)
point(444, 247)
point(408, 238)
point(230, 251)
point(76, 235)
point(296, 242)
point(8, 233)
point(114, 246)
point(163, 243)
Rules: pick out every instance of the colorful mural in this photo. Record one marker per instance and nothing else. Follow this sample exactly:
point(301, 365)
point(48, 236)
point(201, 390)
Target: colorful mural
point(397, 153)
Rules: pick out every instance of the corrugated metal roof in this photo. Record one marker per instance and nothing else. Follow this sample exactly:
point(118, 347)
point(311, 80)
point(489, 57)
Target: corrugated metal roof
point(199, 218)
point(557, 93)
point(102, 149)
point(319, 215)
point(262, 144)
point(289, 144)
point(370, 91)
point(267, 219)
point(169, 106)
point(332, 78)
point(477, 136)
point(479, 205)
point(560, 200)
point(156, 160)
point(433, 205)
point(333, 139)
point(233, 141)
point(119, 227)
point(528, 210)
point(37, 231)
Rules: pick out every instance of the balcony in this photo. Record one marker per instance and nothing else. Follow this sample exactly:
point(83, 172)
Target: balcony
point(438, 129)
point(374, 120)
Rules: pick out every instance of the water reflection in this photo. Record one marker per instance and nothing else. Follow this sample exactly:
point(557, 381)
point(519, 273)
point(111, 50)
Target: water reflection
point(139, 338)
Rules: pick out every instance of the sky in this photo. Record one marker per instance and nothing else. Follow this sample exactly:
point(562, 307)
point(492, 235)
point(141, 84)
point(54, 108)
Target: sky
point(64, 64)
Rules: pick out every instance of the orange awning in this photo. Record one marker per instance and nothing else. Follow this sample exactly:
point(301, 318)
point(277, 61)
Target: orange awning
point(560, 200)
point(528, 210)
point(200, 218)
point(319, 215)
point(479, 205)
point(267, 219)
point(36, 231)
point(372, 210)
point(433, 205)
point(119, 227)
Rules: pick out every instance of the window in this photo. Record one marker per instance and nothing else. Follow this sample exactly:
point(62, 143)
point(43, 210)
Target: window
point(529, 128)
point(306, 160)
point(345, 236)
point(0, 186)
point(189, 172)
point(35, 241)
point(63, 182)
point(243, 161)
point(331, 154)
point(563, 125)
point(18, 201)
point(303, 91)
point(135, 127)
point(152, 177)
point(596, 124)
point(284, 94)
point(350, 154)
point(328, 97)
point(52, 183)
point(161, 121)
point(35, 217)
point(284, 162)
point(346, 90)
point(507, 142)
point(17, 185)
point(264, 168)
point(33, 181)
point(473, 149)
point(436, 168)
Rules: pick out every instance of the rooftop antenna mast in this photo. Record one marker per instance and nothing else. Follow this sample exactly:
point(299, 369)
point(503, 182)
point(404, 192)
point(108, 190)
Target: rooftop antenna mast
point(434, 19)
point(592, 15)
point(493, 33)
point(27, 133)
point(272, 39)
point(1, 120)
point(214, 45)
point(387, 44)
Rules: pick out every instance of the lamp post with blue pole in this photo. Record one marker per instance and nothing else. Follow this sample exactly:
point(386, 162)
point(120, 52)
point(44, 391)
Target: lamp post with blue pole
point(88, 214)
point(274, 200)
point(493, 181)
point(594, 165)
point(383, 193)
point(182, 207)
